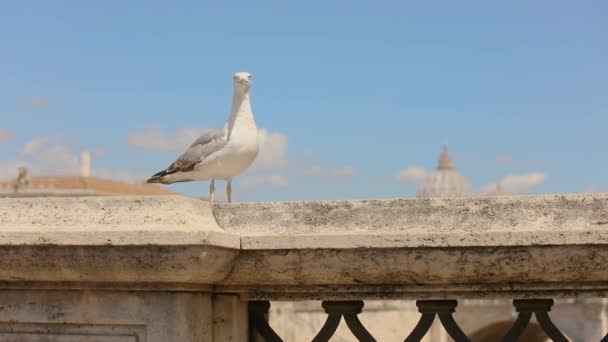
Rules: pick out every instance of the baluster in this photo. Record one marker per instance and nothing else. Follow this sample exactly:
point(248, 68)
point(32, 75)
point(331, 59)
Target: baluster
point(349, 309)
point(540, 308)
point(442, 308)
point(257, 320)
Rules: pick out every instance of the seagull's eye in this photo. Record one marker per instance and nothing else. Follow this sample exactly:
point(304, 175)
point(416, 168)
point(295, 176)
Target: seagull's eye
point(249, 76)
point(235, 77)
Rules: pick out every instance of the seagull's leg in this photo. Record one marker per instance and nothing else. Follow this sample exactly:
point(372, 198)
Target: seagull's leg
point(211, 191)
point(229, 190)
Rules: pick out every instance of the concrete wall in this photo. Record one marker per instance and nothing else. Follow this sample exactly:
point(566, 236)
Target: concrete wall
point(176, 269)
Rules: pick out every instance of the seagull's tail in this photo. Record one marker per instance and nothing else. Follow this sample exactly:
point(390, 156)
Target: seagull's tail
point(158, 178)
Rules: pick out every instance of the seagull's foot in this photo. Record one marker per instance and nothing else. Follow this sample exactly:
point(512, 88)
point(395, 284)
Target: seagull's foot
point(211, 191)
point(229, 190)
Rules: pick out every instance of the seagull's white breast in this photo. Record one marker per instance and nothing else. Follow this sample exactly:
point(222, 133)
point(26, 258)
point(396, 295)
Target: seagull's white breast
point(235, 157)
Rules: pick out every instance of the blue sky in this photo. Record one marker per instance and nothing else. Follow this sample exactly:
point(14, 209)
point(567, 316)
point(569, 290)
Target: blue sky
point(351, 93)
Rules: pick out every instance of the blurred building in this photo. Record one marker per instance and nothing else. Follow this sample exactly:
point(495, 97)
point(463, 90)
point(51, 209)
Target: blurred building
point(25, 185)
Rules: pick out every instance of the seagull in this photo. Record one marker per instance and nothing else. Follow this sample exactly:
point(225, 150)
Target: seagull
point(221, 153)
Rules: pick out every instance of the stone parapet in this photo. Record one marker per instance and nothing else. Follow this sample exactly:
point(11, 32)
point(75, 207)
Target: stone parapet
point(162, 239)
point(171, 268)
point(471, 247)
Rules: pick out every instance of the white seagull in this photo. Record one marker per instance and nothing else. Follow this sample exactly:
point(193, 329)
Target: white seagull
point(220, 153)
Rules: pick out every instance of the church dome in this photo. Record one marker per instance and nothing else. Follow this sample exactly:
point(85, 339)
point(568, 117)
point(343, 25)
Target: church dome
point(445, 181)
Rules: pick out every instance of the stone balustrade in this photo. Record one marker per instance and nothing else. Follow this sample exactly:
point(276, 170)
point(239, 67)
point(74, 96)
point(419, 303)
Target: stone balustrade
point(170, 268)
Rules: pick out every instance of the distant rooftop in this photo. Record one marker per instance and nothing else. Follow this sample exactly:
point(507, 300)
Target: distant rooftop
point(26, 186)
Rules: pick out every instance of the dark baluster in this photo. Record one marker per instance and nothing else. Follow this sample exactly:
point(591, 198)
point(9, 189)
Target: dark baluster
point(257, 321)
point(540, 308)
point(518, 327)
point(329, 328)
point(349, 309)
point(423, 326)
point(442, 308)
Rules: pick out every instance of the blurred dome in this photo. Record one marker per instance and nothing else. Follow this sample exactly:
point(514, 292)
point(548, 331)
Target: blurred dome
point(445, 181)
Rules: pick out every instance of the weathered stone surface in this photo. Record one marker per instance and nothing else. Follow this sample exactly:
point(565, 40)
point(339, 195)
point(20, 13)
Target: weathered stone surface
point(230, 318)
point(554, 240)
point(418, 216)
point(558, 241)
point(422, 266)
point(187, 264)
point(177, 269)
point(111, 221)
point(113, 239)
point(422, 273)
point(375, 240)
point(114, 316)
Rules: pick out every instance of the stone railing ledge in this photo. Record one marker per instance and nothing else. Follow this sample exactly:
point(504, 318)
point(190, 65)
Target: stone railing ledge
point(478, 215)
point(558, 241)
point(159, 239)
point(116, 221)
point(469, 244)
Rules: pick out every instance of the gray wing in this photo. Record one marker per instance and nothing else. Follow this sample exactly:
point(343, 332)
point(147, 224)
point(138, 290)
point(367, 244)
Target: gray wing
point(202, 148)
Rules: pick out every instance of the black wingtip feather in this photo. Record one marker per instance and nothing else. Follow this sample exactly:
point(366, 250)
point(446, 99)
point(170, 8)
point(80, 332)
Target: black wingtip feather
point(157, 178)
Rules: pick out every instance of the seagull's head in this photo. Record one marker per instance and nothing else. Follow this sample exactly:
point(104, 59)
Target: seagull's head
point(242, 80)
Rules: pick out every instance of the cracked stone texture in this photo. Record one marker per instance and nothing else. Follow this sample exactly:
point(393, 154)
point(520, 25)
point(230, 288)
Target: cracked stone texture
point(111, 221)
point(113, 239)
point(553, 239)
point(480, 214)
point(556, 240)
point(504, 221)
point(92, 265)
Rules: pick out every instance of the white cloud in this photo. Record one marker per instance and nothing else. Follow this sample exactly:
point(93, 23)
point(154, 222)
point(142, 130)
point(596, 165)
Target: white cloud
point(329, 171)
point(50, 155)
point(412, 174)
point(116, 175)
point(5, 135)
point(153, 137)
point(275, 180)
point(347, 171)
point(32, 146)
point(273, 151)
point(313, 171)
point(517, 184)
